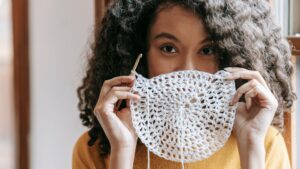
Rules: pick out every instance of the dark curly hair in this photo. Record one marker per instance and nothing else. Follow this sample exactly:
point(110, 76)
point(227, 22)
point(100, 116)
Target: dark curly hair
point(244, 33)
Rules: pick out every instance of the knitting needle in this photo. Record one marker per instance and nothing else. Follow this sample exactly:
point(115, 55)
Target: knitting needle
point(131, 73)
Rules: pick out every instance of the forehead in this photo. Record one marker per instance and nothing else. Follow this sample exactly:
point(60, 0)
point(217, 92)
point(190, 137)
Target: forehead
point(178, 20)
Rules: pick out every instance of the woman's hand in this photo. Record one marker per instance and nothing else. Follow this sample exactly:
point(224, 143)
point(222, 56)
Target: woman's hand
point(117, 125)
point(253, 117)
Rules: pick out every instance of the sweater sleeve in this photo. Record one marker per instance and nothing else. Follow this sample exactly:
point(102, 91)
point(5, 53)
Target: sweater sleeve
point(85, 156)
point(276, 152)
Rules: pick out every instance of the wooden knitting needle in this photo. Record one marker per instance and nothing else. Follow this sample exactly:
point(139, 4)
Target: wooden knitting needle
point(131, 73)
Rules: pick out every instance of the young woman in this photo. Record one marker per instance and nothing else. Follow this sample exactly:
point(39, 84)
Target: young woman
point(208, 35)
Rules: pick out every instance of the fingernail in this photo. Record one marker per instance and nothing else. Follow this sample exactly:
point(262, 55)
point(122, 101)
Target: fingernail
point(227, 76)
point(138, 98)
point(227, 68)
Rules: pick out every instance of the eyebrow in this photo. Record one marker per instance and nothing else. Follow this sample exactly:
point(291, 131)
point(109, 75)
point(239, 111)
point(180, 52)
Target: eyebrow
point(172, 37)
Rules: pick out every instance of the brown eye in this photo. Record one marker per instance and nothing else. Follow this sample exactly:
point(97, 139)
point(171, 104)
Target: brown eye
point(168, 49)
point(209, 50)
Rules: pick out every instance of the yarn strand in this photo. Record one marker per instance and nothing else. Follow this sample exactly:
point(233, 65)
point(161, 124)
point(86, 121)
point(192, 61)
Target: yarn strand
point(181, 138)
point(148, 127)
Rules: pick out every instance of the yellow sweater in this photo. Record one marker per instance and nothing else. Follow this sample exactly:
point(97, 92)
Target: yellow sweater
point(85, 157)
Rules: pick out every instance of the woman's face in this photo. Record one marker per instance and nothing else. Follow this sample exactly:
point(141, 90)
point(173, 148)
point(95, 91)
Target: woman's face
point(178, 41)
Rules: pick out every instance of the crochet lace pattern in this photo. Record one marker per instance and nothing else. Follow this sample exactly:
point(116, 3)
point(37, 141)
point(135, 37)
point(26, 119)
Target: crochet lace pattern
point(183, 116)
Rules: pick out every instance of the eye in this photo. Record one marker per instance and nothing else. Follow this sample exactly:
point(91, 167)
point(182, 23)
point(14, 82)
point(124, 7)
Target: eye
point(208, 50)
point(168, 49)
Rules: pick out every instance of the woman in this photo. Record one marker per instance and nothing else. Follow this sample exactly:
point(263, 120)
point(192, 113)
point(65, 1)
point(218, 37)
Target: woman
point(235, 35)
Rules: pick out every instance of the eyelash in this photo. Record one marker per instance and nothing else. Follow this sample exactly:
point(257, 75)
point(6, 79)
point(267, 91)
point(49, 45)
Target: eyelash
point(208, 47)
point(167, 45)
point(201, 50)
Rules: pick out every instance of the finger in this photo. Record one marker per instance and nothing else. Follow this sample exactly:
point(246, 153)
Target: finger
point(243, 89)
point(241, 73)
point(108, 84)
point(119, 80)
point(114, 96)
point(121, 88)
point(234, 68)
point(248, 97)
point(241, 115)
point(127, 103)
point(118, 88)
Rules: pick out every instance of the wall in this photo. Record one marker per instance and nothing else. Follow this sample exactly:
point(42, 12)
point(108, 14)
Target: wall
point(59, 32)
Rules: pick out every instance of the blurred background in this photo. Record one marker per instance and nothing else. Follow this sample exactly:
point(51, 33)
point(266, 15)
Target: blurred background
point(43, 45)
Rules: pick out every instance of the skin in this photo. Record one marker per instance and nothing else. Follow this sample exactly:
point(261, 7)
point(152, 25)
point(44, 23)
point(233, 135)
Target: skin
point(178, 41)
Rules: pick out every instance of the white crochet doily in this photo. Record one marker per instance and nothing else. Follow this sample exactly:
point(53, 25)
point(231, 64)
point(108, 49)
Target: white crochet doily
point(183, 115)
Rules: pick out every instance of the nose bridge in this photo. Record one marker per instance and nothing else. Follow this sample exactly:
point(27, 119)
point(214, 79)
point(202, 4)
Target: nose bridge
point(186, 62)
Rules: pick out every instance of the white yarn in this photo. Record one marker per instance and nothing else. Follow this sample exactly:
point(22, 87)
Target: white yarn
point(183, 116)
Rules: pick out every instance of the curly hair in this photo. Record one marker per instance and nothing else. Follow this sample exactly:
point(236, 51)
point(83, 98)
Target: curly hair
point(243, 31)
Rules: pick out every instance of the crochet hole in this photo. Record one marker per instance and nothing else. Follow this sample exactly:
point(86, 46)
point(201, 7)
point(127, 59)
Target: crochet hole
point(187, 106)
point(200, 94)
point(193, 100)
